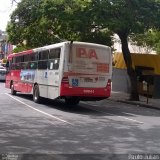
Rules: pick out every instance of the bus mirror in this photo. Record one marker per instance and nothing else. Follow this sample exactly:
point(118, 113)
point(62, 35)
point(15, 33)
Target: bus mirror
point(7, 64)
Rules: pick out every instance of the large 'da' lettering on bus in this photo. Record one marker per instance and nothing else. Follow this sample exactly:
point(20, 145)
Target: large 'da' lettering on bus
point(84, 53)
point(90, 60)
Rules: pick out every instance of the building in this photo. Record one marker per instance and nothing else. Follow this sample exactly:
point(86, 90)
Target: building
point(5, 47)
point(147, 68)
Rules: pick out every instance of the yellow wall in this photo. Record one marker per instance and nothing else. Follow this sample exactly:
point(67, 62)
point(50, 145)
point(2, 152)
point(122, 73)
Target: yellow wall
point(146, 60)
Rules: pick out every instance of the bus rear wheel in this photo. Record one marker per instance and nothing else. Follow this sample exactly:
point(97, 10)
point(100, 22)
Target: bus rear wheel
point(36, 94)
point(13, 92)
point(71, 101)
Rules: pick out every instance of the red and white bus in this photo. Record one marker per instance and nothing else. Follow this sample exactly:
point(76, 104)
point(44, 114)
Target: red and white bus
point(73, 71)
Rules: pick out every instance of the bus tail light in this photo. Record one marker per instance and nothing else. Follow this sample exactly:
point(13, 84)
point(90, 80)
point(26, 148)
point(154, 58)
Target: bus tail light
point(65, 81)
point(109, 84)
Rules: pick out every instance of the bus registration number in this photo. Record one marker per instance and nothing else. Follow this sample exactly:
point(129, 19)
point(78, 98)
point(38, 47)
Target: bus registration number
point(89, 91)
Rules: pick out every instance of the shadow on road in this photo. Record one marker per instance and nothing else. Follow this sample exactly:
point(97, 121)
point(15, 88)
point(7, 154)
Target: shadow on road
point(89, 109)
point(59, 104)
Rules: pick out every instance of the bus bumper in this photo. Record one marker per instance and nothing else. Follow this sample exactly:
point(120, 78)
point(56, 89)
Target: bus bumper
point(85, 92)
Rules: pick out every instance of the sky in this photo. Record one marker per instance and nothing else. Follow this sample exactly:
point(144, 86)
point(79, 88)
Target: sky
point(6, 8)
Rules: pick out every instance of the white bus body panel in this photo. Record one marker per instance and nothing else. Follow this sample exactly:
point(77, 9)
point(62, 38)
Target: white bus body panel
point(91, 71)
point(49, 80)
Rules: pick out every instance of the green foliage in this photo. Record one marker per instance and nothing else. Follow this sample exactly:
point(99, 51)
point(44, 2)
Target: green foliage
point(50, 21)
point(150, 38)
point(4, 60)
point(127, 16)
point(42, 22)
point(20, 48)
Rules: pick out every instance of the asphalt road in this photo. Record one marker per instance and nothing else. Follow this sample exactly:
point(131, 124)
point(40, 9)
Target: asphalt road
point(93, 129)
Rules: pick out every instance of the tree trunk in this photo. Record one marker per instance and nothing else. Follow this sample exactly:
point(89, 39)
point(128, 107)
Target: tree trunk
point(130, 70)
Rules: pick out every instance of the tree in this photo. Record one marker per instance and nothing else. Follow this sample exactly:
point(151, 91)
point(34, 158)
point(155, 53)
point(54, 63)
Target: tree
point(125, 18)
point(44, 22)
point(150, 38)
point(40, 22)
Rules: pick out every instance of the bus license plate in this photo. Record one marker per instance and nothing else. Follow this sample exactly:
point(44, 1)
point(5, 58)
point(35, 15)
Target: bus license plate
point(88, 80)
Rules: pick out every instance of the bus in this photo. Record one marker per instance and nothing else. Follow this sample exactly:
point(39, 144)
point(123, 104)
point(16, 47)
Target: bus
point(73, 71)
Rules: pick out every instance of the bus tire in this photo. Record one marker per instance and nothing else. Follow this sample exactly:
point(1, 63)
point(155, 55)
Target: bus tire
point(13, 92)
point(71, 101)
point(36, 94)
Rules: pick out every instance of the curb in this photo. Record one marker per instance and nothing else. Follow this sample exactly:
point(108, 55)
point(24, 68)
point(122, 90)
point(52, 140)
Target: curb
point(138, 104)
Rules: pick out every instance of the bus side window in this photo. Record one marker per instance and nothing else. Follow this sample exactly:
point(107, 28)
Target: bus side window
point(17, 66)
point(24, 65)
point(54, 53)
point(14, 60)
point(53, 64)
point(42, 64)
point(32, 65)
point(12, 66)
point(26, 58)
point(43, 55)
point(33, 56)
point(7, 64)
point(54, 58)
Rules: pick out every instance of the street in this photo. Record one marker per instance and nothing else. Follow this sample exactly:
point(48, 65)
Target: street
point(91, 128)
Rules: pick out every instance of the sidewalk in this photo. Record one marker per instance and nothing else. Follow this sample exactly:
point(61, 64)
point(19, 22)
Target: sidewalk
point(123, 97)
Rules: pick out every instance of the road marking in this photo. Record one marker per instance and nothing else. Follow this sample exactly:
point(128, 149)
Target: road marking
point(49, 115)
point(116, 115)
point(131, 114)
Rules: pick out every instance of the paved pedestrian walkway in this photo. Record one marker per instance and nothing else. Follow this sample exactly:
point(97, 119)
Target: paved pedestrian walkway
point(124, 97)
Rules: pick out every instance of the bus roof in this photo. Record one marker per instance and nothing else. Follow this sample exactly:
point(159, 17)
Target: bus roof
point(56, 45)
point(20, 53)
